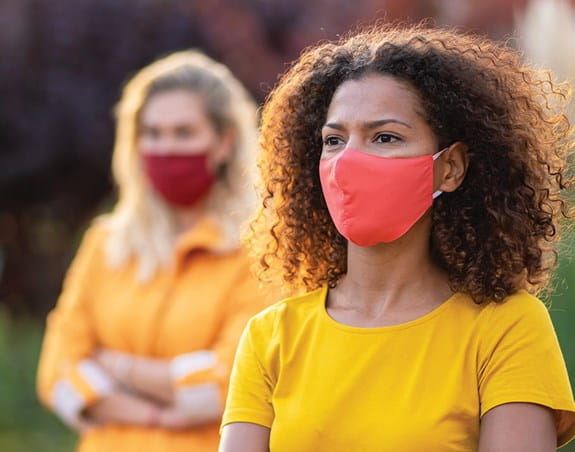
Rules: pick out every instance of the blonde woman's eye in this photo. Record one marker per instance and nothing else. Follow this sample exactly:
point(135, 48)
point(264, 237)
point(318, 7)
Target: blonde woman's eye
point(150, 133)
point(184, 132)
point(386, 138)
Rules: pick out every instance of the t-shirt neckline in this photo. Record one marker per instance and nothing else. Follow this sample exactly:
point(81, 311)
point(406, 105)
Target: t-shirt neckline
point(382, 329)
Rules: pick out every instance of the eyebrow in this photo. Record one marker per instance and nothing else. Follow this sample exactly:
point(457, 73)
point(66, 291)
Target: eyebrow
point(179, 125)
point(369, 124)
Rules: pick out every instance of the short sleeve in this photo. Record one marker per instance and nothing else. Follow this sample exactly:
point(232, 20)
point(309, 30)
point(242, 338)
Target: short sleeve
point(520, 361)
point(250, 388)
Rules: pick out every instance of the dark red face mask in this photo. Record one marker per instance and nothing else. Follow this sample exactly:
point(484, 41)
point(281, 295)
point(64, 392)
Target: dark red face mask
point(182, 180)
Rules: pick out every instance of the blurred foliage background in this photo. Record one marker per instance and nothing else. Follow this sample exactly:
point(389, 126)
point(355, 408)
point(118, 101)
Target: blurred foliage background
point(63, 65)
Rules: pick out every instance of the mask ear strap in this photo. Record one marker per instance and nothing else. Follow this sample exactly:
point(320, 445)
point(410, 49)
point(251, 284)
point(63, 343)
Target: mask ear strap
point(435, 157)
point(438, 154)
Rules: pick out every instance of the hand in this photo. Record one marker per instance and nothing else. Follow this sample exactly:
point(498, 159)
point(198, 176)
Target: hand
point(124, 408)
point(147, 376)
point(80, 424)
point(173, 419)
point(117, 364)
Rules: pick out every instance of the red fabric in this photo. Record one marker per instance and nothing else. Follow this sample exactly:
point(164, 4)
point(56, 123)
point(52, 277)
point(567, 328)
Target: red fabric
point(180, 179)
point(374, 199)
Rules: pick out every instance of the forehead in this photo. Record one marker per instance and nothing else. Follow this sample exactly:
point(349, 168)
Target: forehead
point(373, 97)
point(174, 106)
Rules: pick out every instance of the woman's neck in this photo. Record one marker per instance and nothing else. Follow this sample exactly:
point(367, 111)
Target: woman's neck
point(392, 276)
point(186, 217)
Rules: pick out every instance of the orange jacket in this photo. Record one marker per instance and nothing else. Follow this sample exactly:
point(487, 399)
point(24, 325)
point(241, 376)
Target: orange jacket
point(199, 304)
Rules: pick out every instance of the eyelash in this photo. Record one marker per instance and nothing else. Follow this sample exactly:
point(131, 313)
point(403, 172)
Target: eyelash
point(393, 139)
point(330, 137)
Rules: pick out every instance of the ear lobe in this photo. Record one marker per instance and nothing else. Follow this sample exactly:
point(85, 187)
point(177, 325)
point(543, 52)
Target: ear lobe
point(225, 148)
point(456, 163)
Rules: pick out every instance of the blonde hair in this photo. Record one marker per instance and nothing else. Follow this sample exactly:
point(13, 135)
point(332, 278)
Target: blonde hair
point(546, 34)
point(141, 226)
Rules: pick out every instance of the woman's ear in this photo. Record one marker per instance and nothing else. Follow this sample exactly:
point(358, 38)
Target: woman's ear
point(451, 167)
point(224, 149)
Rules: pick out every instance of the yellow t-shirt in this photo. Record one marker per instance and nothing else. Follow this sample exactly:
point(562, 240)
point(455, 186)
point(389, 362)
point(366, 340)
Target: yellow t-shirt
point(419, 386)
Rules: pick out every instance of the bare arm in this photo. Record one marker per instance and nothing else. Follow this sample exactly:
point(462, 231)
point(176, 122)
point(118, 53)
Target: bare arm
point(130, 409)
point(150, 381)
point(147, 376)
point(518, 427)
point(123, 408)
point(245, 437)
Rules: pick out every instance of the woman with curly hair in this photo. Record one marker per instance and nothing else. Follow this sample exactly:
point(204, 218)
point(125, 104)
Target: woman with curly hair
point(138, 350)
point(413, 182)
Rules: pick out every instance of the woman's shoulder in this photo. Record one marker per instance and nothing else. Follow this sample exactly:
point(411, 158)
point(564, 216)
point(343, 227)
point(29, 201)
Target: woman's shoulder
point(92, 240)
point(97, 231)
point(520, 311)
point(520, 306)
point(287, 311)
point(520, 315)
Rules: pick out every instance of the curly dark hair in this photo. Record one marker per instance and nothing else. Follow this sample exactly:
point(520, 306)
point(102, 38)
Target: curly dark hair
point(494, 235)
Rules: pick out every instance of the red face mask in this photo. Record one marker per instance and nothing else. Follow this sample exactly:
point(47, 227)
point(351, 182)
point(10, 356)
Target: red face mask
point(180, 179)
point(374, 199)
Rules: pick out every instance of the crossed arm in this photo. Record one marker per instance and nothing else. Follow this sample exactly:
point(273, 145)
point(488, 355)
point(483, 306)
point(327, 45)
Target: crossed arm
point(146, 396)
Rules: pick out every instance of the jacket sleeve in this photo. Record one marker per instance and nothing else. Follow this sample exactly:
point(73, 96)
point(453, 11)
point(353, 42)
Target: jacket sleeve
point(68, 380)
point(211, 368)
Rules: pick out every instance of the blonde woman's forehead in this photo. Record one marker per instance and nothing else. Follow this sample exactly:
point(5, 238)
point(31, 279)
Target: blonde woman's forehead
point(178, 106)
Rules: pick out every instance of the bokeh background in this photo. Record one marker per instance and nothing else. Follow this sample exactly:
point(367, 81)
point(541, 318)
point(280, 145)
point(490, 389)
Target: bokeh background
point(62, 66)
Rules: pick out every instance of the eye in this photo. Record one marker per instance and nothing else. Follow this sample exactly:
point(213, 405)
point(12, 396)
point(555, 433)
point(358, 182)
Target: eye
point(183, 133)
point(332, 140)
point(386, 138)
point(151, 133)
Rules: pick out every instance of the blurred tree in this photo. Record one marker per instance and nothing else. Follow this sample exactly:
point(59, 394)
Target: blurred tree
point(64, 62)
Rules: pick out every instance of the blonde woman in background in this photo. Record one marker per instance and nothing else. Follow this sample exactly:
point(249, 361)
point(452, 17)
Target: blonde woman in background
point(138, 350)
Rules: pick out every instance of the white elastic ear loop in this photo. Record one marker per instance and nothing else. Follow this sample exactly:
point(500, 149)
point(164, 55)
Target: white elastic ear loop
point(438, 153)
point(435, 157)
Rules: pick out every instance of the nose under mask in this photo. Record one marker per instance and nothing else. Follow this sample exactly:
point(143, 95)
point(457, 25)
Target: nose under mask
point(374, 199)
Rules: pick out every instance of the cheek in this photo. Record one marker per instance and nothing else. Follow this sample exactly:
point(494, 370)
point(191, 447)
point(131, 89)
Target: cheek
point(217, 156)
point(438, 173)
point(148, 145)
